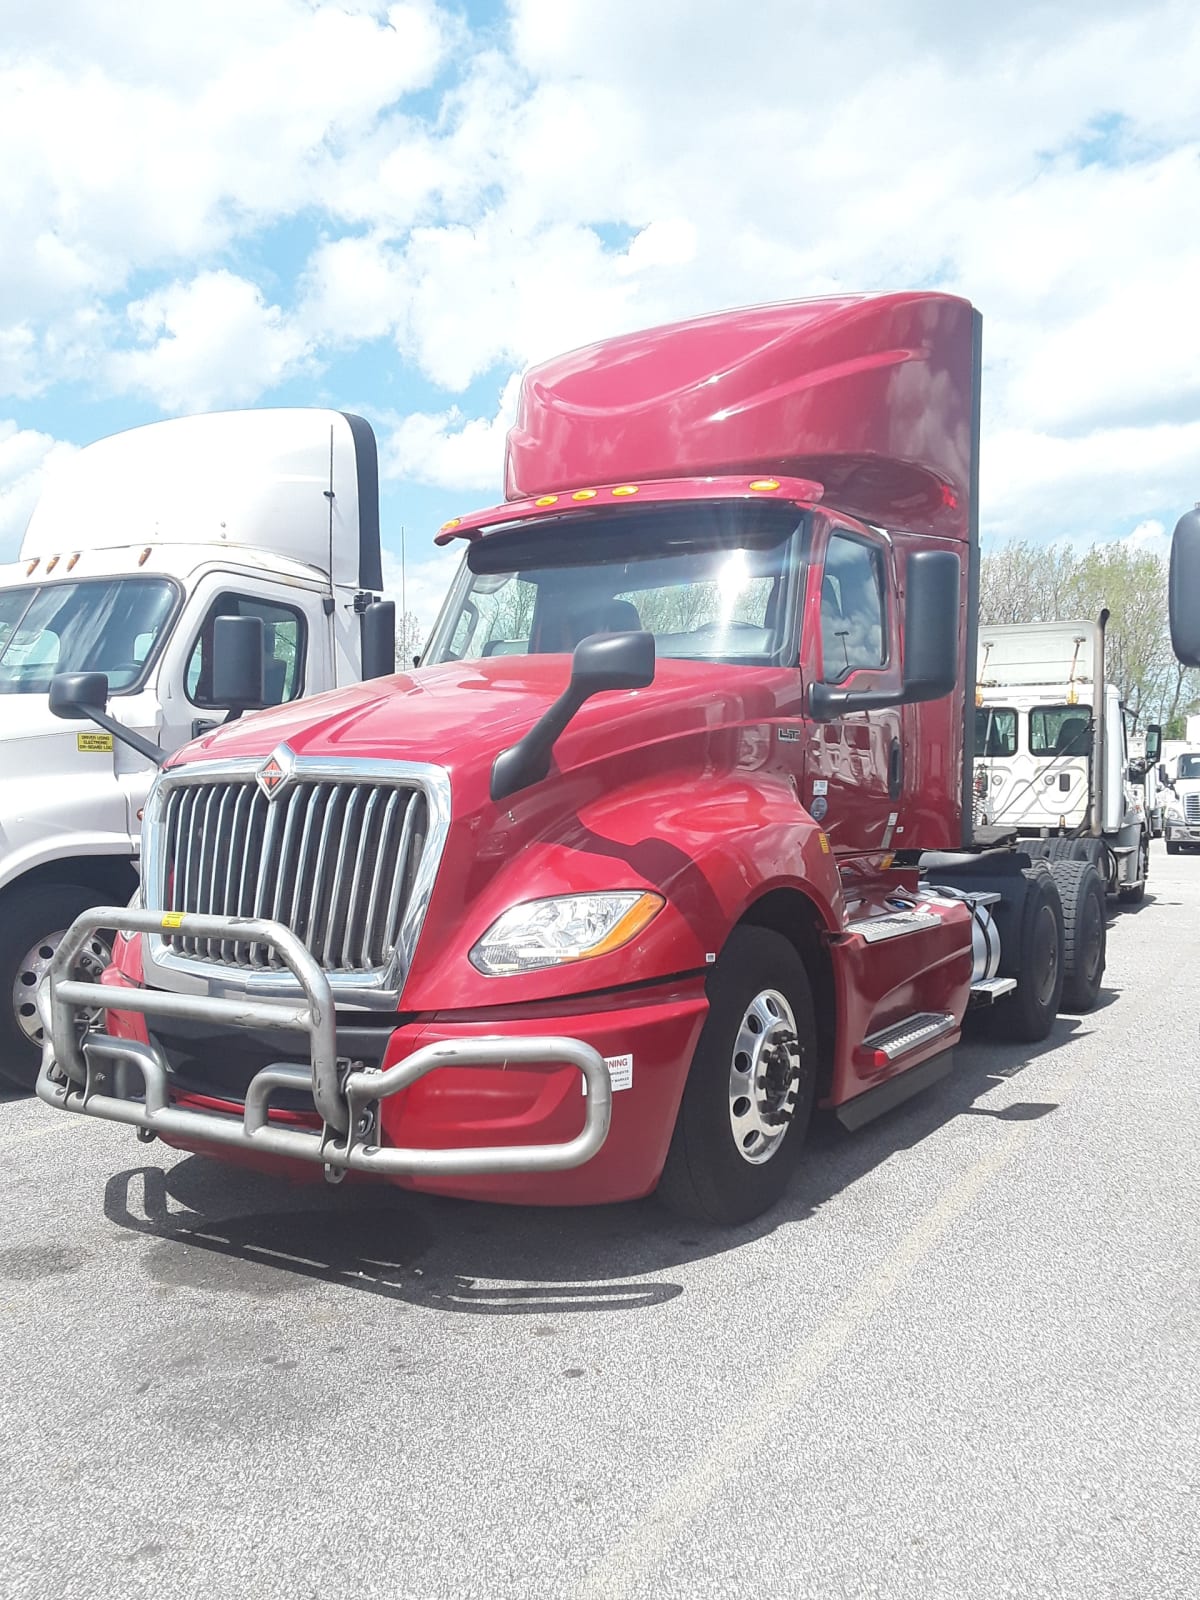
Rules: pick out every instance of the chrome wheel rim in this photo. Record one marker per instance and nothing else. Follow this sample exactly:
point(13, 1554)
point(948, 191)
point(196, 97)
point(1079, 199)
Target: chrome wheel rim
point(764, 1077)
point(93, 958)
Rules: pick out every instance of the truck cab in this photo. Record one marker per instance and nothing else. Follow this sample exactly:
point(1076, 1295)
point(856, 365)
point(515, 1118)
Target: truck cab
point(132, 556)
point(667, 842)
point(1181, 820)
point(1052, 760)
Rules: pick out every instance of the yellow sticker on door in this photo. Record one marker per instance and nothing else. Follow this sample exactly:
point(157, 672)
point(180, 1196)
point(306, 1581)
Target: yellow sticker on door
point(94, 743)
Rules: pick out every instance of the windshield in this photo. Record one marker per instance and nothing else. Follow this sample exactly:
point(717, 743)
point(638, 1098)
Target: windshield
point(1189, 767)
point(111, 625)
point(712, 581)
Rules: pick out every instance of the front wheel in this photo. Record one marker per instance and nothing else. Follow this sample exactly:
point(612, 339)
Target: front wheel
point(32, 926)
point(749, 1093)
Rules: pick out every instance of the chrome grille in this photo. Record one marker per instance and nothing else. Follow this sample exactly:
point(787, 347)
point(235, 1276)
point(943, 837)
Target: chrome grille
point(1191, 807)
point(333, 860)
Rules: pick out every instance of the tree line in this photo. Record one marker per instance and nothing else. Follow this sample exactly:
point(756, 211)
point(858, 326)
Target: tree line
point(1023, 582)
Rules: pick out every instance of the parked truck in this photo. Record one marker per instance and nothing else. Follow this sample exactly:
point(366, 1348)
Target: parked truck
point(1051, 749)
point(669, 839)
point(130, 559)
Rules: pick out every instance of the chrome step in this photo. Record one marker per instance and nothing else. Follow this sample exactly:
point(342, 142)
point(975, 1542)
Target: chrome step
point(904, 1037)
point(892, 925)
point(988, 990)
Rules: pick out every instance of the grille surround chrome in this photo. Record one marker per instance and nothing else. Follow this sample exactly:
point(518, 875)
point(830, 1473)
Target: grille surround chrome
point(1191, 807)
point(377, 988)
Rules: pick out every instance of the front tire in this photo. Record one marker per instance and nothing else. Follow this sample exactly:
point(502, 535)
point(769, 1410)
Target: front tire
point(749, 1094)
point(32, 925)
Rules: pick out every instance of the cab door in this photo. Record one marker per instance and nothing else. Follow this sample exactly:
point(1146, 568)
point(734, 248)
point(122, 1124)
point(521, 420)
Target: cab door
point(854, 775)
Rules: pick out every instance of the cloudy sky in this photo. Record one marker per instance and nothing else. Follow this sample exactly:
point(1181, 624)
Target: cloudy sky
point(393, 209)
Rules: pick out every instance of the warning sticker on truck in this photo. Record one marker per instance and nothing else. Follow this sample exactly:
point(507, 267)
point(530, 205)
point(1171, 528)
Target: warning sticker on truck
point(94, 743)
point(620, 1070)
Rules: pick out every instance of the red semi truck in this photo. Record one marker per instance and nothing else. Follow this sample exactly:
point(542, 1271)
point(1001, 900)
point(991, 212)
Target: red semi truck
point(666, 842)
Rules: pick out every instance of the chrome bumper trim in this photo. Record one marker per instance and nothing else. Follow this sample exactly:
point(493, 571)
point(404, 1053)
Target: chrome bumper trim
point(98, 1076)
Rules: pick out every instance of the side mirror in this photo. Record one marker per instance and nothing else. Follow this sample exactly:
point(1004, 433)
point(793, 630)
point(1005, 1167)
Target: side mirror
point(83, 697)
point(602, 662)
point(1153, 743)
point(932, 600)
point(239, 664)
point(1183, 589)
point(377, 639)
point(78, 696)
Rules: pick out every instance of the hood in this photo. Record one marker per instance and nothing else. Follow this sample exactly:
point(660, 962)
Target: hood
point(460, 716)
point(28, 716)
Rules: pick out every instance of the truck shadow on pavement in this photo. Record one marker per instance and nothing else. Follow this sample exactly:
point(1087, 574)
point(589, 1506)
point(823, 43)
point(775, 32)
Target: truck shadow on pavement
point(209, 1226)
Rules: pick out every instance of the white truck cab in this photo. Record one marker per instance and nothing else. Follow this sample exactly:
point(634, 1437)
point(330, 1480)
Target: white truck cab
point(1051, 754)
point(1181, 815)
point(134, 551)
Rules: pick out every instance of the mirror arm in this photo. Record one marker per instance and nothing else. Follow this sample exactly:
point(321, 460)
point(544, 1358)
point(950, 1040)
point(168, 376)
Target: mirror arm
point(135, 741)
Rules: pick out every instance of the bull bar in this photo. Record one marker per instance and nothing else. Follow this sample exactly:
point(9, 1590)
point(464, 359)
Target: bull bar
point(95, 1075)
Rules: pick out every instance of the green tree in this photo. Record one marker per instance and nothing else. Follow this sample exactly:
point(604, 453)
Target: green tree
point(1023, 582)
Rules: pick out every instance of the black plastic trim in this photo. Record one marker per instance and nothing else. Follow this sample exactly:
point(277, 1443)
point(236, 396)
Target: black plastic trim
point(366, 460)
point(887, 1096)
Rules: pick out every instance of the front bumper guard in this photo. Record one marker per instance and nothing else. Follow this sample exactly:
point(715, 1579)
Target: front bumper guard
point(96, 1075)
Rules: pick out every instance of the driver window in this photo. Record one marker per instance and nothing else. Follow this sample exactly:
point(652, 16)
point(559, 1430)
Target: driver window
point(853, 610)
point(284, 638)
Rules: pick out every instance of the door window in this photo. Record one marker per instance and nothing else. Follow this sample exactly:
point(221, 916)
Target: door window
point(995, 731)
point(853, 608)
point(284, 634)
point(1060, 731)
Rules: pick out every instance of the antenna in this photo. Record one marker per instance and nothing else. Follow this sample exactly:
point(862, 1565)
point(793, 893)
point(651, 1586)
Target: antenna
point(403, 587)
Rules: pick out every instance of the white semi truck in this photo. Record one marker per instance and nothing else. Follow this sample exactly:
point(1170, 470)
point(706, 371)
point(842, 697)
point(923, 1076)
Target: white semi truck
point(1051, 754)
point(135, 556)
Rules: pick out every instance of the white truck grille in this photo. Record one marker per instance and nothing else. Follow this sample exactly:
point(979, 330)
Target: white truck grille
point(334, 861)
point(1191, 807)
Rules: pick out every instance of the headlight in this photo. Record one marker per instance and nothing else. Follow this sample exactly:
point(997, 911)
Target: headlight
point(570, 927)
point(1172, 812)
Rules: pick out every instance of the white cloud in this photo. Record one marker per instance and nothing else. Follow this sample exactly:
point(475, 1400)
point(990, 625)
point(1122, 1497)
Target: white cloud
point(25, 457)
point(207, 343)
point(450, 450)
point(604, 164)
point(420, 586)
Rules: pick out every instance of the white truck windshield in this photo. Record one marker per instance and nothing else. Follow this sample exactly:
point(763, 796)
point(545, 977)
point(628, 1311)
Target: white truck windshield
point(110, 625)
point(712, 582)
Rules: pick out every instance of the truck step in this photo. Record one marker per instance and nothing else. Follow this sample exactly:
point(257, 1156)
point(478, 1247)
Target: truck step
point(988, 990)
point(889, 1044)
point(892, 926)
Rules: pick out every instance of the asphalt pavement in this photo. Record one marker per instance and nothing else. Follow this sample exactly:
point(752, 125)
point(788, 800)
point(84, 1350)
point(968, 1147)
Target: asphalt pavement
point(960, 1361)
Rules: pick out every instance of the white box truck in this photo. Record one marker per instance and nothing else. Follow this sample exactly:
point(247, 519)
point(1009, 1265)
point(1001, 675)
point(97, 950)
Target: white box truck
point(135, 552)
point(1051, 755)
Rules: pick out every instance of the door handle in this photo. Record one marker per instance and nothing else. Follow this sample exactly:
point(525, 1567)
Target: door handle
point(895, 770)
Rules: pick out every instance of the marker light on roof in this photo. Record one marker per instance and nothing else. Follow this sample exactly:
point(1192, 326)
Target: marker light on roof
point(71, 563)
point(51, 564)
point(546, 500)
point(453, 523)
point(764, 485)
point(31, 566)
point(626, 488)
point(144, 557)
point(584, 494)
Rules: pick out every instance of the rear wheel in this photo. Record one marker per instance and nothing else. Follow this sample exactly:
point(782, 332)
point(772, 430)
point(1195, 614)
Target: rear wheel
point(32, 926)
point(749, 1092)
point(1028, 1012)
point(1085, 933)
